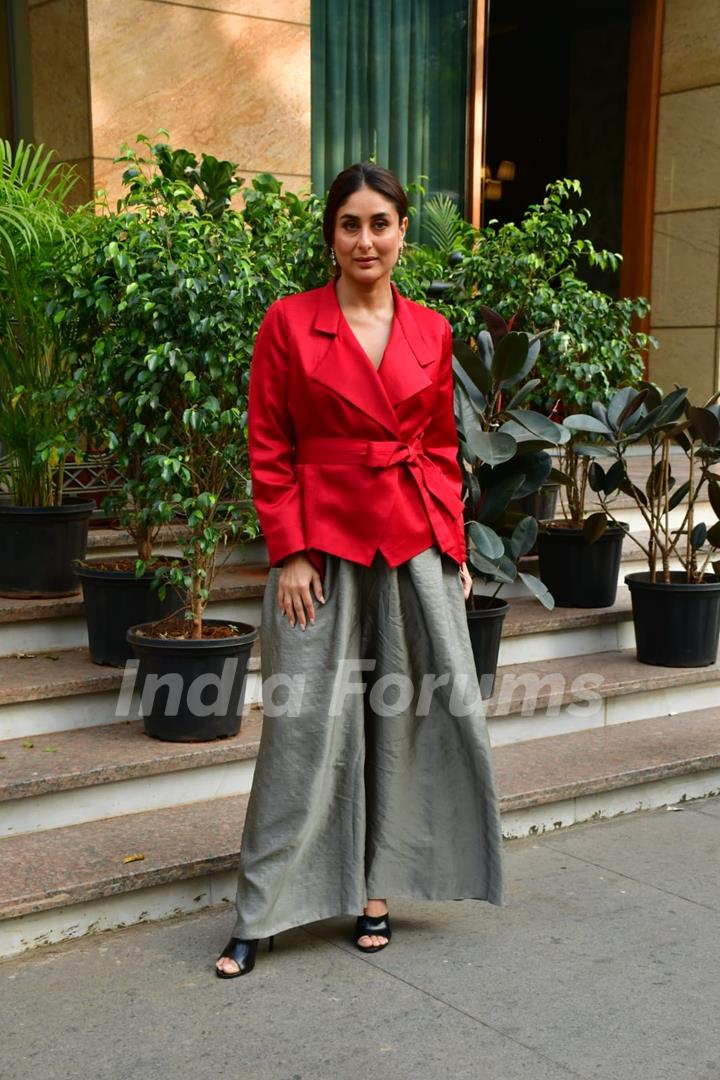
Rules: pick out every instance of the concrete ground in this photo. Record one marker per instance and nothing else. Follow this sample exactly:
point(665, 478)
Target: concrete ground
point(605, 964)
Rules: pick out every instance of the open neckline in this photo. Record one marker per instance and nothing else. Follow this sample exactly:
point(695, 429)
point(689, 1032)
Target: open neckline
point(357, 341)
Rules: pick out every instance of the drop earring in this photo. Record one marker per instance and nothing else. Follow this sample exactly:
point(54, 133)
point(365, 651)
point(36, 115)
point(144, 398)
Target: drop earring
point(332, 257)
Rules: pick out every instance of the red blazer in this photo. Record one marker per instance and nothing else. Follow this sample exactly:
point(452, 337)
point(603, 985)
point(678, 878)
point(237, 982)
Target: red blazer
point(345, 458)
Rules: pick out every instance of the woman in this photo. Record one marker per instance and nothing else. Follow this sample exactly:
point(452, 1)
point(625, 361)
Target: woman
point(374, 776)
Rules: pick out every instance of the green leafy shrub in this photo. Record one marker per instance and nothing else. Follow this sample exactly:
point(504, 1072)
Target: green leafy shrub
point(530, 270)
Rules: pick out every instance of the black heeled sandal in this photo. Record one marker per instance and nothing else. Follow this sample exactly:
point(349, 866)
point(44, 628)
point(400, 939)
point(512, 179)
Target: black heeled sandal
point(243, 951)
point(369, 925)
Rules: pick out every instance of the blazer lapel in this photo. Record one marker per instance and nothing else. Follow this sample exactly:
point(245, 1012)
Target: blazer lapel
point(407, 355)
point(342, 365)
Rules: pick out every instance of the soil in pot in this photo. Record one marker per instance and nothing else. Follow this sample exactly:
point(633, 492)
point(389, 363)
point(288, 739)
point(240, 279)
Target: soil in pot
point(192, 691)
point(115, 599)
point(40, 545)
point(676, 624)
point(579, 574)
point(485, 628)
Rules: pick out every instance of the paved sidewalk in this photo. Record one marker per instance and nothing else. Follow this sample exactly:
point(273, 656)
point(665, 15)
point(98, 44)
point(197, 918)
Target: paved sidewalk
point(605, 964)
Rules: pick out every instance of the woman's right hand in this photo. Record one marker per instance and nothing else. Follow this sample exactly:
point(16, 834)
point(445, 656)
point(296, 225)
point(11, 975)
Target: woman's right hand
point(297, 578)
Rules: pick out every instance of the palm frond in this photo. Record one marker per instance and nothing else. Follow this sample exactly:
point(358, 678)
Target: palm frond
point(443, 223)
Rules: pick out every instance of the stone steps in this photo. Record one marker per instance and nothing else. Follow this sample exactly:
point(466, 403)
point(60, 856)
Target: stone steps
point(42, 625)
point(71, 777)
point(53, 691)
point(579, 730)
point(545, 696)
point(70, 880)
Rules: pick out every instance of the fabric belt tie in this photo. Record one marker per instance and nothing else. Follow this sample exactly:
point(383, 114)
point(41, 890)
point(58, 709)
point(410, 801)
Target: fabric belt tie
point(380, 454)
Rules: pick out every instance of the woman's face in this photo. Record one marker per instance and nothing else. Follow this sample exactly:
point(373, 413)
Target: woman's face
point(368, 236)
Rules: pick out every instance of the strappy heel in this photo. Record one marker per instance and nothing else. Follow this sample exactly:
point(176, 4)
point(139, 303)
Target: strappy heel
point(243, 951)
point(369, 925)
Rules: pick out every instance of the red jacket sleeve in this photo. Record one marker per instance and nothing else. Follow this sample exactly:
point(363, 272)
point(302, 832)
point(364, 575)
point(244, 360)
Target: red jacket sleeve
point(271, 438)
point(440, 441)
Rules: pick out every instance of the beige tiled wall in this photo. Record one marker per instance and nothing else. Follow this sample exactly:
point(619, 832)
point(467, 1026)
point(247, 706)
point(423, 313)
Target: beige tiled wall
point(686, 251)
point(60, 102)
point(228, 77)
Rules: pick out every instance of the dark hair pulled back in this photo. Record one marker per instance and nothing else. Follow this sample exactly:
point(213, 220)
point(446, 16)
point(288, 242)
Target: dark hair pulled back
point(350, 180)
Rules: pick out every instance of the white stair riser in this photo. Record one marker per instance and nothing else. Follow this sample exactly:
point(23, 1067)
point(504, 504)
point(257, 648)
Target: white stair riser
point(133, 796)
point(44, 635)
point(592, 712)
point(158, 902)
point(83, 711)
point(671, 791)
point(555, 644)
point(233, 555)
point(633, 517)
point(125, 909)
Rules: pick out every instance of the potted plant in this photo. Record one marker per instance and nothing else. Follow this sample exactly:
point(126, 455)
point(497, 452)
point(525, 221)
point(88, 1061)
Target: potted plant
point(579, 554)
point(121, 591)
point(41, 530)
point(676, 613)
point(198, 292)
point(503, 452)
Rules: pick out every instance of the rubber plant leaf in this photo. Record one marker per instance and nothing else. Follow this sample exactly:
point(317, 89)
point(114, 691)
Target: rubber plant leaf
point(492, 447)
point(594, 527)
point(583, 422)
point(486, 540)
point(596, 477)
point(704, 425)
point(495, 323)
point(539, 590)
point(509, 359)
point(698, 535)
point(524, 536)
point(523, 393)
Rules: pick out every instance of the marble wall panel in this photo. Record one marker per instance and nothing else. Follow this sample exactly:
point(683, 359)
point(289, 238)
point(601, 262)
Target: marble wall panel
point(688, 159)
point(107, 176)
point(284, 10)
point(691, 56)
point(686, 258)
point(58, 57)
point(231, 85)
point(687, 357)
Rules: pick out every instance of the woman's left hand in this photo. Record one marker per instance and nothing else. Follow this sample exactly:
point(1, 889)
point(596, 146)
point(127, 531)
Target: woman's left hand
point(466, 578)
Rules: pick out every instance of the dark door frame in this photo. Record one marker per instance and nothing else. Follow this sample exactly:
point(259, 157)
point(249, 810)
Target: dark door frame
point(643, 97)
point(641, 130)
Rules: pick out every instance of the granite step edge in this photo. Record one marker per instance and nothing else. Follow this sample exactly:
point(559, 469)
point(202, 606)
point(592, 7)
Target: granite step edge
point(74, 674)
point(138, 756)
point(116, 877)
point(135, 876)
point(610, 782)
point(615, 673)
point(246, 581)
point(658, 748)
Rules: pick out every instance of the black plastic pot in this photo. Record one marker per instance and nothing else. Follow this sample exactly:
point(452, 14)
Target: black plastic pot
point(115, 600)
point(485, 628)
point(39, 545)
point(579, 574)
point(192, 691)
point(541, 504)
point(676, 624)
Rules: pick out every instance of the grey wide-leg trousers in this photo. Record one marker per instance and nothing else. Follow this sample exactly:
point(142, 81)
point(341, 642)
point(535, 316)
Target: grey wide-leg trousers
point(385, 790)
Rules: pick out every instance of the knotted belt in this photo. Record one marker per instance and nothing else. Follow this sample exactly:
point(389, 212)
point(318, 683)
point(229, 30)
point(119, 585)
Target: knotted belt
point(380, 454)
